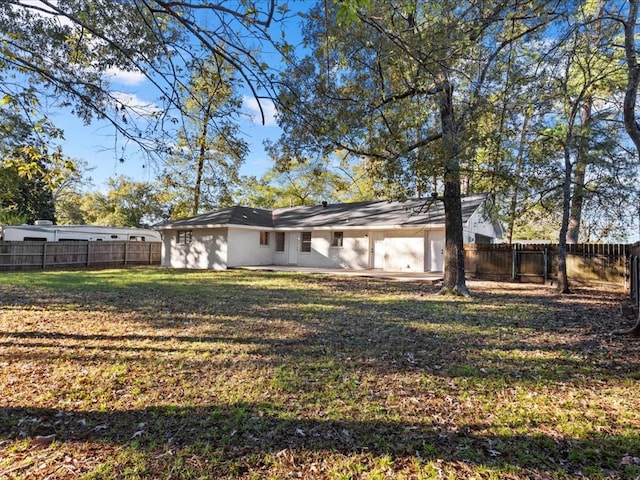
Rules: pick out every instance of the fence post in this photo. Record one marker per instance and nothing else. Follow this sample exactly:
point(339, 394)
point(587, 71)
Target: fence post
point(625, 265)
point(150, 253)
point(514, 255)
point(88, 253)
point(125, 252)
point(44, 255)
point(633, 278)
point(636, 275)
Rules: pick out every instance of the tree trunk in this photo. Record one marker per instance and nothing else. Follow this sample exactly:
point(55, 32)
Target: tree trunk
point(577, 200)
point(580, 171)
point(631, 95)
point(629, 311)
point(633, 75)
point(563, 279)
point(454, 282)
point(633, 331)
point(202, 152)
point(582, 155)
point(516, 178)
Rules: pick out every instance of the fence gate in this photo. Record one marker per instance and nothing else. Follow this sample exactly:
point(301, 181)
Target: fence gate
point(530, 262)
point(538, 263)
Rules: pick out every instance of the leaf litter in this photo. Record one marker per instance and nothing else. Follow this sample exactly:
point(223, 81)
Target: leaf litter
point(271, 375)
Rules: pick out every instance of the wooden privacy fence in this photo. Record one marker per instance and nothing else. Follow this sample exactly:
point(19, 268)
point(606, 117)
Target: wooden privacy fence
point(538, 263)
point(31, 255)
point(634, 273)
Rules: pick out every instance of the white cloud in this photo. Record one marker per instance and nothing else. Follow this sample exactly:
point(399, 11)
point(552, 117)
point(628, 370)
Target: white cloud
point(125, 77)
point(252, 107)
point(135, 104)
point(45, 11)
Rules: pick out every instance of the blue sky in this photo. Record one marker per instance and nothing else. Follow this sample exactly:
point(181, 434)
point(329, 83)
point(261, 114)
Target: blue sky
point(95, 143)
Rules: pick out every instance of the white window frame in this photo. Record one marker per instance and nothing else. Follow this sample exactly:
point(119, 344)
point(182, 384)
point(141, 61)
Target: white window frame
point(337, 239)
point(184, 237)
point(304, 242)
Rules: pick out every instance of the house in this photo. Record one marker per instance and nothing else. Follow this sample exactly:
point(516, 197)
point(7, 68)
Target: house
point(394, 236)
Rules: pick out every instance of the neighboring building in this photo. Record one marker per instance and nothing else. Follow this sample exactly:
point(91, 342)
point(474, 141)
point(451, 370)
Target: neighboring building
point(45, 231)
point(393, 236)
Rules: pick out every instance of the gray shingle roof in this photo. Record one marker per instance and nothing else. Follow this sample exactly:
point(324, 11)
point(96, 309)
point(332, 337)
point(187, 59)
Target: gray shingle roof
point(413, 212)
point(236, 215)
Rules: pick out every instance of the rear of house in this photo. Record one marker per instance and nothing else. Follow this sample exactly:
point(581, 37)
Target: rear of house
point(394, 236)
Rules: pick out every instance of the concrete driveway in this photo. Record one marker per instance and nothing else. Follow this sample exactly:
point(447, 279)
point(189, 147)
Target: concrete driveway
point(430, 277)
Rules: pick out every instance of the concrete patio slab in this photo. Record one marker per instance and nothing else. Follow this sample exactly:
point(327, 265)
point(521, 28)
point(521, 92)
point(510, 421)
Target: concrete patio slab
point(430, 277)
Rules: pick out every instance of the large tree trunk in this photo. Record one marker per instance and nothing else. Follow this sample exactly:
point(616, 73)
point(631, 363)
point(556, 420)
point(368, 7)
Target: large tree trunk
point(633, 331)
point(633, 75)
point(454, 274)
point(454, 282)
point(631, 94)
point(629, 311)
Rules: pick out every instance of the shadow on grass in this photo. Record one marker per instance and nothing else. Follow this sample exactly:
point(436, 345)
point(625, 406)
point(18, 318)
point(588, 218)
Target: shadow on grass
point(244, 429)
point(288, 319)
point(311, 337)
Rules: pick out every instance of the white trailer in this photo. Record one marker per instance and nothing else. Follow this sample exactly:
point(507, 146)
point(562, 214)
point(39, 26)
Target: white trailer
point(47, 232)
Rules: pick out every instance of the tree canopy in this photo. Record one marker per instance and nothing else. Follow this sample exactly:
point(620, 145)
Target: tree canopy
point(525, 100)
point(66, 53)
point(402, 85)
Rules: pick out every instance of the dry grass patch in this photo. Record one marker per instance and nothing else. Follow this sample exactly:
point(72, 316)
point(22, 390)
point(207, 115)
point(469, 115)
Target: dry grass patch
point(154, 373)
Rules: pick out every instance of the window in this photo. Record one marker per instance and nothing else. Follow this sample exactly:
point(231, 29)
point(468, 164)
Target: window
point(336, 239)
point(305, 245)
point(185, 237)
point(279, 241)
point(264, 238)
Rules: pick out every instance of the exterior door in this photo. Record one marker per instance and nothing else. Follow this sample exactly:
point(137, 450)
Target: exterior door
point(293, 242)
point(436, 254)
point(376, 250)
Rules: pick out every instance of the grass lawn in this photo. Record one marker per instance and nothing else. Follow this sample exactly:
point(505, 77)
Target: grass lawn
point(154, 373)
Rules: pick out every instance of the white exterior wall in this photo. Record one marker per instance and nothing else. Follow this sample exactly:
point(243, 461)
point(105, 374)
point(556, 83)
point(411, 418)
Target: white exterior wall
point(404, 251)
point(399, 250)
point(320, 254)
point(245, 248)
point(208, 250)
point(353, 254)
point(478, 224)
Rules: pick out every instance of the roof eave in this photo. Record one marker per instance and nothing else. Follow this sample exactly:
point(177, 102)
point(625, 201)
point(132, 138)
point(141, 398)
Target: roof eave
point(187, 227)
